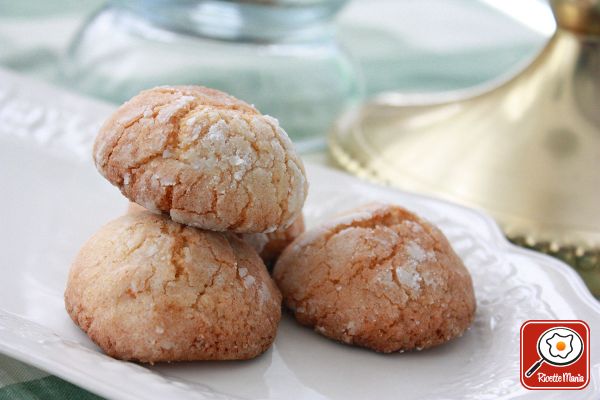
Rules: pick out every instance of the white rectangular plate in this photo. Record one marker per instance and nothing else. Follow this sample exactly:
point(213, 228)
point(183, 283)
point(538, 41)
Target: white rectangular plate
point(53, 200)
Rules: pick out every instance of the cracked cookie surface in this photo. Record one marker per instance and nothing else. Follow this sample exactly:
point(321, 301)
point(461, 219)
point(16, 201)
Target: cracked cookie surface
point(148, 289)
point(205, 158)
point(378, 277)
point(268, 245)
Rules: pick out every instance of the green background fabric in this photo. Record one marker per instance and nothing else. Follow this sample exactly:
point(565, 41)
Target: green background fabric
point(50, 387)
point(20, 381)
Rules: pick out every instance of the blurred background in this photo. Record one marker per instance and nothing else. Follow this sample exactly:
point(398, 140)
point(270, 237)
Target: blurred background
point(303, 61)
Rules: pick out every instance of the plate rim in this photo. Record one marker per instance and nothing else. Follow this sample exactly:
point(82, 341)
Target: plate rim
point(82, 378)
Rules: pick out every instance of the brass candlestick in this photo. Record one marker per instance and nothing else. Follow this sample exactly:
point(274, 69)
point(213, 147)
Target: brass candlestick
point(527, 150)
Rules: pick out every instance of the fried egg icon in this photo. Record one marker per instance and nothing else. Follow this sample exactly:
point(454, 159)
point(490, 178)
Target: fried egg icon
point(560, 346)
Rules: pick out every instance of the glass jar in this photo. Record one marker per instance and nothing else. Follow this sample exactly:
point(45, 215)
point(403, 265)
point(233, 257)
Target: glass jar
point(280, 55)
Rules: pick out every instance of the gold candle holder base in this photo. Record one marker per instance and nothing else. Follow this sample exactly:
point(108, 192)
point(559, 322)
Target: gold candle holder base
point(526, 150)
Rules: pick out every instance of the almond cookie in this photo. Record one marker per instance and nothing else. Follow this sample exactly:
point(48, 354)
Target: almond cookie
point(148, 289)
point(378, 277)
point(205, 158)
point(268, 245)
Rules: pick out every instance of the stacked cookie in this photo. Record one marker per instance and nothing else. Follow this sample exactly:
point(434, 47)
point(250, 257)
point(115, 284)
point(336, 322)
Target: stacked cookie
point(216, 192)
point(180, 278)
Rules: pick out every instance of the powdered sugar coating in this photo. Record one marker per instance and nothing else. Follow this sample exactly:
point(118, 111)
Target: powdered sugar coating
point(378, 277)
point(149, 289)
point(205, 158)
point(268, 245)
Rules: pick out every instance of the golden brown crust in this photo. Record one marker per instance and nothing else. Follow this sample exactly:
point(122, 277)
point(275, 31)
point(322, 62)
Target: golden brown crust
point(134, 208)
point(378, 277)
point(205, 158)
point(268, 245)
point(146, 288)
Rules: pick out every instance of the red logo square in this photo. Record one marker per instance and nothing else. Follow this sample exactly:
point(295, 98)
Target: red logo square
point(555, 354)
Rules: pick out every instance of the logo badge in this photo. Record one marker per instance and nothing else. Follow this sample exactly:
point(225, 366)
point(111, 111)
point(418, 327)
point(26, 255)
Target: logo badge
point(555, 354)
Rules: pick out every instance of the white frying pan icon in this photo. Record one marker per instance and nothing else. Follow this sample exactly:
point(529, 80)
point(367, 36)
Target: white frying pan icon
point(559, 347)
